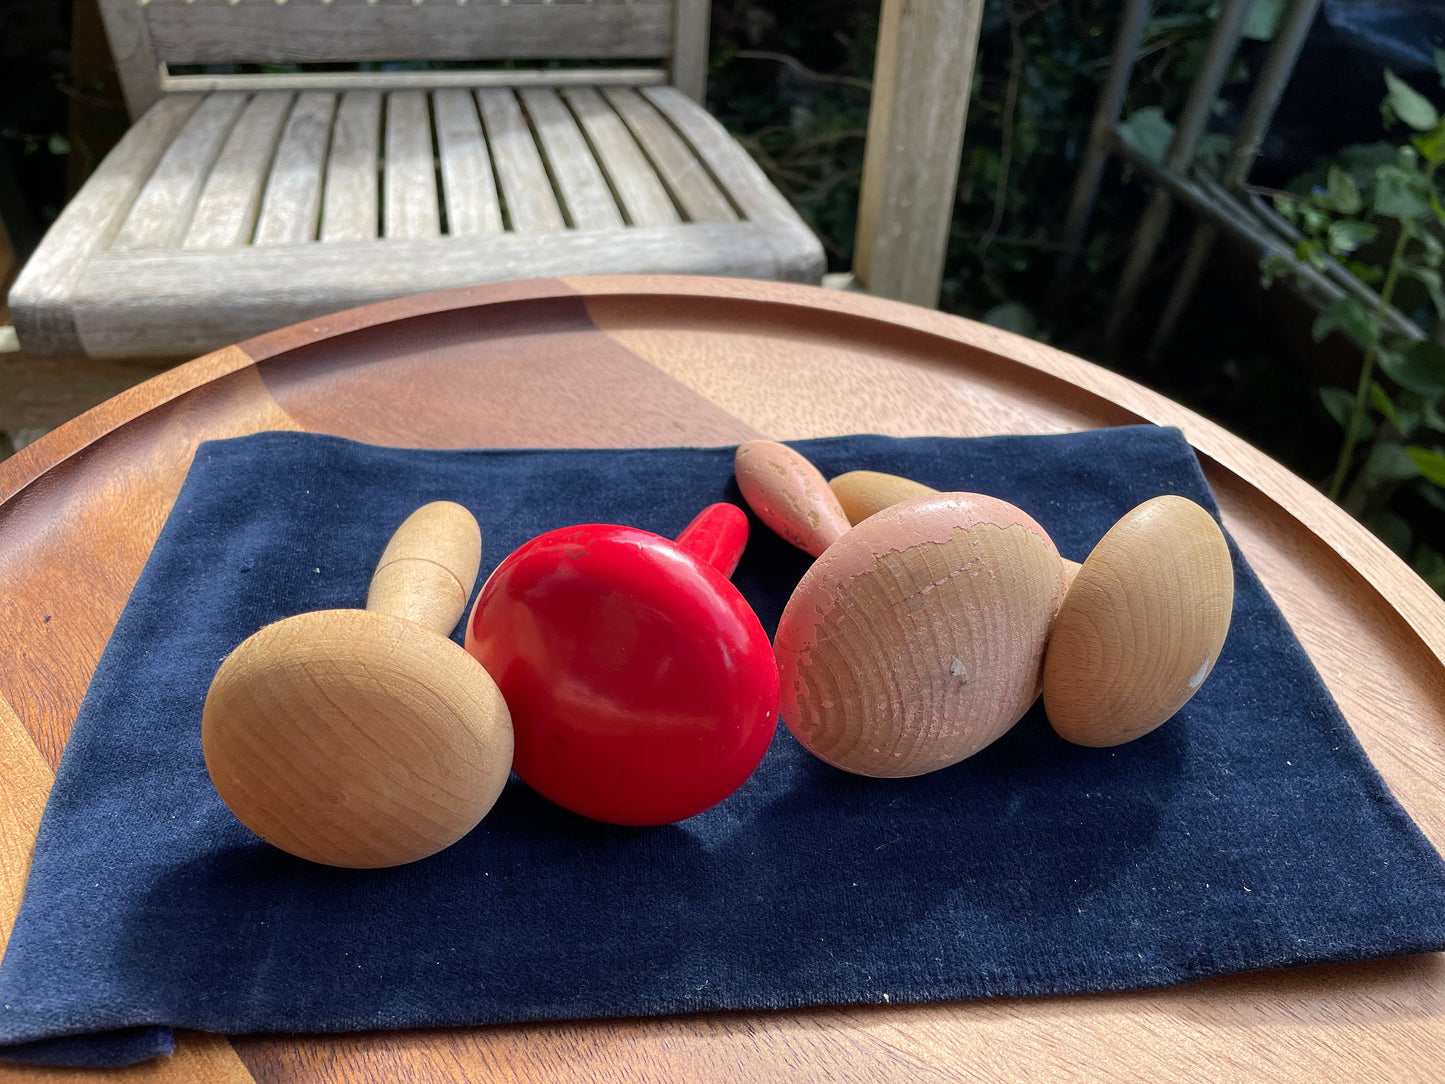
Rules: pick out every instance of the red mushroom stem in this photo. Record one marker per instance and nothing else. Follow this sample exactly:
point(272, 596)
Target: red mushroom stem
point(717, 536)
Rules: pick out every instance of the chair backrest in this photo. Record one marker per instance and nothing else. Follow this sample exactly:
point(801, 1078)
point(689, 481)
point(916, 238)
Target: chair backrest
point(148, 37)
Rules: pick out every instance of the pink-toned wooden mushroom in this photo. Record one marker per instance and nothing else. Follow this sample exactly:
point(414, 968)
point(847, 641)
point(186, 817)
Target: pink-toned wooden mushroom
point(1142, 625)
point(915, 639)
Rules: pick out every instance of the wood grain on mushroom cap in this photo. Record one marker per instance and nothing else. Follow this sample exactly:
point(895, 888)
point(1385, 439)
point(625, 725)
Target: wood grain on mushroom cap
point(918, 637)
point(1142, 625)
point(864, 493)
point(359, 737)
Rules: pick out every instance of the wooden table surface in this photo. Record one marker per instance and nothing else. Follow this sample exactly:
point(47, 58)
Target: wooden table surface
point(633, 361)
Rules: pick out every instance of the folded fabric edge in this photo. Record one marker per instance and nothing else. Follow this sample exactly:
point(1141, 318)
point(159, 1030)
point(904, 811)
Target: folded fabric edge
point(124, 1047)
point(96, 1050)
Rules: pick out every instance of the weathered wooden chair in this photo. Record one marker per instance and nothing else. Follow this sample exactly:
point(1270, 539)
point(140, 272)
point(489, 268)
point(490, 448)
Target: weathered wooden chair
point(239, 203)
point(243, 202)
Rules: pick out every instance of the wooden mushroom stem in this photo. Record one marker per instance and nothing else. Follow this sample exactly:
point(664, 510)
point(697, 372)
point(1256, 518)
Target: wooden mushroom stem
point(428, 569)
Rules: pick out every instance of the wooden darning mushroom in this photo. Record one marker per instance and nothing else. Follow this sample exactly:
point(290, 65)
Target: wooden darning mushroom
point(1142, 625)
point(366, 738)
point(915, 639)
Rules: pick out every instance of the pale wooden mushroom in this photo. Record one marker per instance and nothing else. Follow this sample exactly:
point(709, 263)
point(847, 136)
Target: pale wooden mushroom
point(366, 738)
point(1142, 625)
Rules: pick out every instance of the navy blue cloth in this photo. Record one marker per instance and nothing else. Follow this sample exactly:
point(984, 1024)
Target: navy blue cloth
point(1248, 832)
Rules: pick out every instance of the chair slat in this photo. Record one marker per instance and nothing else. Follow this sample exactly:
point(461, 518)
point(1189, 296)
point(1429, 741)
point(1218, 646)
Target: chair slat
point(641, 191)
point(530, 203)
point(800, 256)
point(468, 188)
point(743, 178)
point(305, 31)
point(226, 212)
point(162, 211)
point(687, 179)
point(189, 301)
point(349, 202)
point(409, 194)
point(292, 205)
point(585, 195)
point(41, 300)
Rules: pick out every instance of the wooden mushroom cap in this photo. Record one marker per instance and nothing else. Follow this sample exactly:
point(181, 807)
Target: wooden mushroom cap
point(918, 637)
point(366, 738)
point(355, 738)
point(864, 493)
point(1142, 625)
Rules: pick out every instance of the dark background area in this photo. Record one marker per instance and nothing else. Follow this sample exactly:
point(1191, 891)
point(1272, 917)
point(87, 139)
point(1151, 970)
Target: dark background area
point(791, 79)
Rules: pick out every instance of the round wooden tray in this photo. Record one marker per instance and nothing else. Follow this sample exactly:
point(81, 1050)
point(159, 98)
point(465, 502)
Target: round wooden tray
point(632, 361)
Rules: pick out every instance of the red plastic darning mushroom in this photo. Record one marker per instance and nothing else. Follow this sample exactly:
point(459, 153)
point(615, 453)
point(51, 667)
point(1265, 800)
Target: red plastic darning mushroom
point(642, 687)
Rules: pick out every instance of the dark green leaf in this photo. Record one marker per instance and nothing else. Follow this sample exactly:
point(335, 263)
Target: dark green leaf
point(1389, 460)
point(1430, 563)
point(1315, 220)
point(1430, 279)
point(1440, 64)
point(1429, 463)
point(1344, 194)
point(1437, 207)
point(1393, 530)
point(1409, 104)
point(1212, 149)
point(1263, 19)
point(1272, 267)
point(1431, 144)
point(1400, 193)
point(1348, 313)
point(1432, 493)
point(1341, 404)
point(1349, 234)
point(1359, 160)
point(1367, 273)
point(1012, 316)
point(1381, 401)
point(1149, 132)
point(1420, 367)
point(1163, 24)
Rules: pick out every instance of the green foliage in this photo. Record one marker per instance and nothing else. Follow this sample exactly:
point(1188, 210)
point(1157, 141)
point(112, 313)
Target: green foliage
point(1391, 456)
point(1263, 19)
point(1148, 131)
point(791, 80)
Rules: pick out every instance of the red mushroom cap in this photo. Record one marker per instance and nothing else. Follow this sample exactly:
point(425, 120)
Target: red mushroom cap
point(642, 687)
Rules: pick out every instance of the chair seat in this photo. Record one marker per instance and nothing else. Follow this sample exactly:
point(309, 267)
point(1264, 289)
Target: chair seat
point(223, 215)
